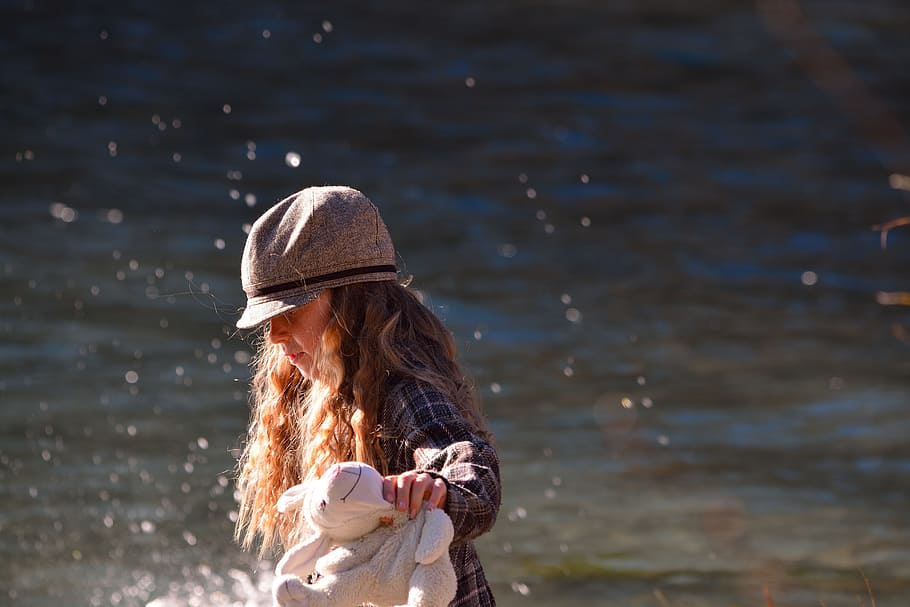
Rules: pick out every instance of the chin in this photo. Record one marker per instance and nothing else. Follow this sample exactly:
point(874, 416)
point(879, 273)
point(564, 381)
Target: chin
point(305, 370)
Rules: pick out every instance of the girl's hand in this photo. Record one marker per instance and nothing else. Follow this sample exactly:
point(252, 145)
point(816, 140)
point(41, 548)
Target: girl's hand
point(409, 490)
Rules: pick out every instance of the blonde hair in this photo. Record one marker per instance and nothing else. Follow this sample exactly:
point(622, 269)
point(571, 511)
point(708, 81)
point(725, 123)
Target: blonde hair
point(379, 333)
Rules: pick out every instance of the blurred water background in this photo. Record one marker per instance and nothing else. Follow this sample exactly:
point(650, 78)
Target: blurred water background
point(649, 225)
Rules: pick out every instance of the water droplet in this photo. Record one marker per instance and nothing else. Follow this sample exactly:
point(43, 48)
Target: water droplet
point(317, 38)
point(250, 200)
point(177, 156)
point(573, 315)
point(531, 193)
point(63, 213)
point(566, 299)
point(522, 178)
point(327, 26)
point(521, 589)
point(220, 244)
point(112, 148)
point(266, 34)
point(226, 108)
point(114, 216)
point(189, 538)
point(495, 388)
point(584, 178)
point(102, 100)
point(147, 527)
point(663, 440)
point(626, 403)
point(234, 194)
point(647, 403)
point(131, 377)
point(586, 222)
point(242, 357)
point(507, 250)
point(469, 82)
point(202, 442)
point(809, 278)
point(292, 159)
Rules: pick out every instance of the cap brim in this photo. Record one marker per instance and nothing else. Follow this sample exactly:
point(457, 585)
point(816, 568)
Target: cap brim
point(258, 312)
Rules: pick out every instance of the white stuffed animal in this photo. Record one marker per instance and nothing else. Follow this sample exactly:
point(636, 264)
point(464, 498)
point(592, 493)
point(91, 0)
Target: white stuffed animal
point(356, 554)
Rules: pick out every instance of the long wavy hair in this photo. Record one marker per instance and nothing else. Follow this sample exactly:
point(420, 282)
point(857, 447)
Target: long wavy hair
point(379, 333)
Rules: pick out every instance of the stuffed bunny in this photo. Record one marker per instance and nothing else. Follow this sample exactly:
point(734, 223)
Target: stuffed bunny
point(360, 549)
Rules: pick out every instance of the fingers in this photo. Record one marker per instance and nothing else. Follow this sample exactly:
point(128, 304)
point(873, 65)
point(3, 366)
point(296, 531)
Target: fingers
point(438, 494)
point(403, 491)
point(418, 494)
point(408, 491)
point(388, 489)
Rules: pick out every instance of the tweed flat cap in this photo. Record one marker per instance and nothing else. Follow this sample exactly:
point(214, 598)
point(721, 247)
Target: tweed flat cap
point(318, 238)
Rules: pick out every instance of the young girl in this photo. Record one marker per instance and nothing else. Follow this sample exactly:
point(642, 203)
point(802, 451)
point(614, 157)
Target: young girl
point(352, 366)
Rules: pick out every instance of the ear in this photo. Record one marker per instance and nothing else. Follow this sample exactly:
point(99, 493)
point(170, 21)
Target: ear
point(435, 537)
point(301, 559)
point(293, 496)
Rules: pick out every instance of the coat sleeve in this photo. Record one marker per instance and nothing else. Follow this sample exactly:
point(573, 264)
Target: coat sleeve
point(439, 441)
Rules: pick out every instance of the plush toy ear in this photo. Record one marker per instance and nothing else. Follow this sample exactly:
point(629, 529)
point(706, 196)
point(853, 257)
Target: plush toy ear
point(435, 537)
point(301, 559)
point(293, 496)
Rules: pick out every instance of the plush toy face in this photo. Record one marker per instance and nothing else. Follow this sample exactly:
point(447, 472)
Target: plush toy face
point(346, 502)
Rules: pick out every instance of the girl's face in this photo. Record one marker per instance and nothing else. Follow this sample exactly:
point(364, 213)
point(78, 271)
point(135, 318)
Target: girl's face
point(298, 332)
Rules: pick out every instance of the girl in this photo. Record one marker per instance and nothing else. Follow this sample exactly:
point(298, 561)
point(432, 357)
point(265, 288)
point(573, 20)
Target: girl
point(352, 366)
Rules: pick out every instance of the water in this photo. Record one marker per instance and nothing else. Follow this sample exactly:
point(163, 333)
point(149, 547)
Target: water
point(647, 224)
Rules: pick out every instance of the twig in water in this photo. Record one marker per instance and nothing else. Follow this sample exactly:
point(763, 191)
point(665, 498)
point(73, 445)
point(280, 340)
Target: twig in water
point(768, 601)
point(893, 298)
point(661, 598)
point(884, 228)
point(868, 587)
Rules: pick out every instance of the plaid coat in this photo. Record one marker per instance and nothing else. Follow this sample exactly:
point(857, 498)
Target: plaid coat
point(421, 429)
